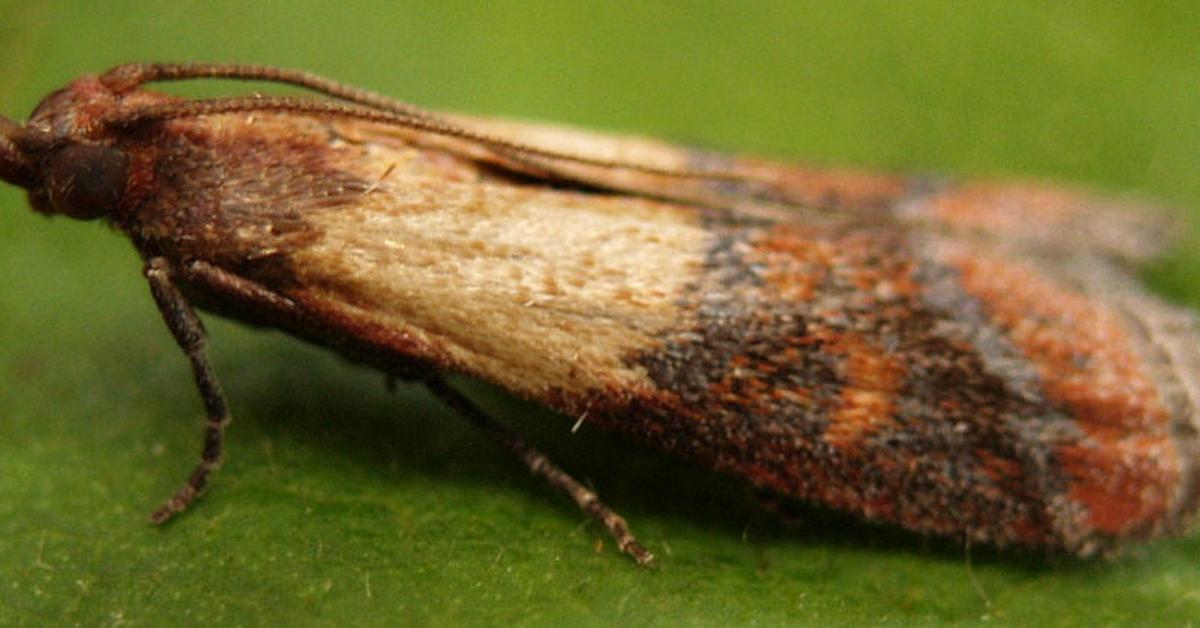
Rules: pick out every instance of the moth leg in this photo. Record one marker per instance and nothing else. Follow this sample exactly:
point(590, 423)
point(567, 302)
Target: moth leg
point(541, 466)
point(181, 319)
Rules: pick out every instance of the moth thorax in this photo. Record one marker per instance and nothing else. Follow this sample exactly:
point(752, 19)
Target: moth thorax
point(84, 181)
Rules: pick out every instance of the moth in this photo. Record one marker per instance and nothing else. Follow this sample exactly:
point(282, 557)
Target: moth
point(974, 360)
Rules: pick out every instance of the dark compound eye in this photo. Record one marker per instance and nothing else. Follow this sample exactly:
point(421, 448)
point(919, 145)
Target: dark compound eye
point(85, 182)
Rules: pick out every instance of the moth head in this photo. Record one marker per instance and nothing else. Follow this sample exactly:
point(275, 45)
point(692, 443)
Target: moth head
point(80, 180)
point(15, 165)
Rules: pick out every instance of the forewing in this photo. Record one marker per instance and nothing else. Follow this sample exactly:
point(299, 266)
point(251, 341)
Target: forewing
point(908, 363)
point(1051, 217)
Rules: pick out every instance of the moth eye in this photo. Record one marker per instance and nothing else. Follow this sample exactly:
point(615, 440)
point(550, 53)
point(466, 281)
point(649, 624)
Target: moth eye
point(85, 182)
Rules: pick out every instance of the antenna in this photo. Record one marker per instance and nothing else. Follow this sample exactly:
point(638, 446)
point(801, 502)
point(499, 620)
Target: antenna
point(362, 104)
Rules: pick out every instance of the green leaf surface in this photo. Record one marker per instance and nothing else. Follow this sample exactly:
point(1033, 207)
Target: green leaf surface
point(342, 503)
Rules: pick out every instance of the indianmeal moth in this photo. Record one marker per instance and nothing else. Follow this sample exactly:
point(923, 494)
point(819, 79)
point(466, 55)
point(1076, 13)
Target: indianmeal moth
point(973, 360)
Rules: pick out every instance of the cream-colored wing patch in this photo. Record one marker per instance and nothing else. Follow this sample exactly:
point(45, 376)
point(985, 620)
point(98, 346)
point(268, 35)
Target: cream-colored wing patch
point(530, 287)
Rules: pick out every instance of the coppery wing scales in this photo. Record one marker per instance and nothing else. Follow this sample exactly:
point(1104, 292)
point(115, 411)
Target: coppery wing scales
point(823, 373)
point(929, 382)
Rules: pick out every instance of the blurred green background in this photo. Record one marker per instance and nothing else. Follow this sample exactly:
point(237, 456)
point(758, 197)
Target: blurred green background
point(342, 503)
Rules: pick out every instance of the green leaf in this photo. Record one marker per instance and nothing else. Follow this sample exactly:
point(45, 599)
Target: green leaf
point(342, 503)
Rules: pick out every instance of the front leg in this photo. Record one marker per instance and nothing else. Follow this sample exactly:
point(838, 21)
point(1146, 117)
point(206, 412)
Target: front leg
point(181, 319)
